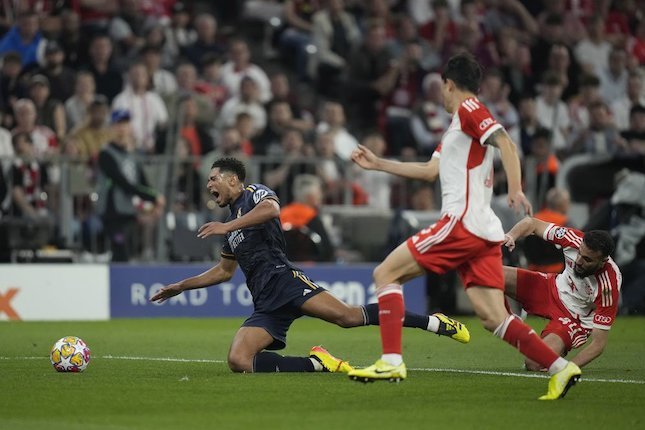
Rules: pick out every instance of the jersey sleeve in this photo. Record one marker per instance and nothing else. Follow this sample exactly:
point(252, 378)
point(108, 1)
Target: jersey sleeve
point(476, 121)
point(437, 152)
point(609, 283)
point(563, 237)
point(261, 192)
point(227, 252)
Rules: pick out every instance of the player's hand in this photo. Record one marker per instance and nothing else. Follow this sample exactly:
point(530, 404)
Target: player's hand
point(509, 242)
point(518, 201)
point(166, 292)
point(211, 229)
point(364, 158)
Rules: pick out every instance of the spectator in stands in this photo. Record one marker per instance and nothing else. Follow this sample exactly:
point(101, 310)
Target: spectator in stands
point(430, 119)
point(239, 66)
point(229, 145)
point(280, 120)
point(572, 21)
point(29, 180)
point(494, 94)
point(24, 38)
point(76, 107)
point(592, 52)
point(543, 256)
point(247, 101)
point(544, 166)
point(11, 86)
point(43, 138)
point(613, 78)
point(74, 46)
point(552, 112)
point(49, 112)
point(293, 154)
point(107, 77)
point(373, 74)
point(281, 91)
point(297, 36)
point(244, 126)
point(635, 136)
point(376, 184)
point(567, 71)
point(120, 179)
point(179, 34)
point(602, 136)
point(126, 27)
point(305, 234)
point(6, 150)
point(441, 31)
point(422, 197)
point(163, 81)
point(61, 77)
point(206, 41)
point(187, 86)
point(93, 133)
point(211, 84)
point(330, 169)
point(148, 111)
point(188, 180)
point(407, 32)
point(196, 134)
point(515, 65)
point(579, 105)
point(551, 32)
point(635, 95)
point(529, 123)
point(332, 120)
point(336, 36)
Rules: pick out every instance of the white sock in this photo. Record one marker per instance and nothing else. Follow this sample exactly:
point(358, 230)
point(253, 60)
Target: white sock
point(558, 365)
point(393, 359)
point(433, 323)
point(317, 366)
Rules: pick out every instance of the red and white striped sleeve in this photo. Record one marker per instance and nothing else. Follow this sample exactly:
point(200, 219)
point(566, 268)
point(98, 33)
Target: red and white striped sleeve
point(563, 237)
point(609, 282)
point(437, 151)
point(476, 121)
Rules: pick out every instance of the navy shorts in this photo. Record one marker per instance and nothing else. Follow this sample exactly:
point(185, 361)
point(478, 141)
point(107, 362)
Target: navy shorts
point(279, 305)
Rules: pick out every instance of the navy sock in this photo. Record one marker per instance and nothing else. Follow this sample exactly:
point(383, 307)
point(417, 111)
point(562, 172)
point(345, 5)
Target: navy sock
point(269, 362)
point(370, 312)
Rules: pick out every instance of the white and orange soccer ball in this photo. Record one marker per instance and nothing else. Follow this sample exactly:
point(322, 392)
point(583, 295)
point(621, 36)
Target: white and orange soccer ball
point(70, 354)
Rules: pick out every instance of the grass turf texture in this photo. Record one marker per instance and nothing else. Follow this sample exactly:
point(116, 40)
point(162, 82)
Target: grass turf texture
point(115, 393)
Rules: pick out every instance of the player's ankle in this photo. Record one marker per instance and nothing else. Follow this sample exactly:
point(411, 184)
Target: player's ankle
point(392, 359)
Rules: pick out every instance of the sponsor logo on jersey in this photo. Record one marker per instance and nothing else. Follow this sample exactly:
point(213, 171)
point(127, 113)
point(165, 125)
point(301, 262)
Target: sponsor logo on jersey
point(259, 195)
point(602, 319)
point(486, 123)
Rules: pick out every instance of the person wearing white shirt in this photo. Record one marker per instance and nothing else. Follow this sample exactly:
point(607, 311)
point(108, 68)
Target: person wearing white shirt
point(240, 66)
point(247, 101)
point(163, 81)
point(148, 111)
point(333, 122)
point(552, 112)
point(613, 79)
point(592, 52)
point(635, 96)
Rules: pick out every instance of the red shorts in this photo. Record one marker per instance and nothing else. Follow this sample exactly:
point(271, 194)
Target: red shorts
point(537, 293)
point(447, 245)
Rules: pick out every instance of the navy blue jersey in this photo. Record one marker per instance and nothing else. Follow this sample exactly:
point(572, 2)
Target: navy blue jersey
point(259, 249)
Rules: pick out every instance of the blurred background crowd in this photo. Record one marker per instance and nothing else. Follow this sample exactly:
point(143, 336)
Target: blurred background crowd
point(111, 113)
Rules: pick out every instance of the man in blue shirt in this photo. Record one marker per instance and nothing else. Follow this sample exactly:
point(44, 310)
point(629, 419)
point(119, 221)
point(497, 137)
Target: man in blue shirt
point(24, 38)
point(281, 292)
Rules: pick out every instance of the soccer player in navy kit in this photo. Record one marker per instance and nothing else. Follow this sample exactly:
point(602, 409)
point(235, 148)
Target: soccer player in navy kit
point(281, 292)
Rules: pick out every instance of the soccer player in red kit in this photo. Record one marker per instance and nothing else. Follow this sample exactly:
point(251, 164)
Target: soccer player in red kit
point(469, 235)
point(580, 301)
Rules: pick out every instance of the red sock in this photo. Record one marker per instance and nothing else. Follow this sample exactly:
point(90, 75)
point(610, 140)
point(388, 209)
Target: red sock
point(524, 338)
point(391, 312)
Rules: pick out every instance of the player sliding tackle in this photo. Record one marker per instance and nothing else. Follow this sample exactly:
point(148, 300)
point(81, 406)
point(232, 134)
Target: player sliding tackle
point(281, 292)
point(468, 236)
point(580, 301)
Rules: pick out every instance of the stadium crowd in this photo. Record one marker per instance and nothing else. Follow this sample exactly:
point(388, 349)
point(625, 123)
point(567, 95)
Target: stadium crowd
point(292, 87)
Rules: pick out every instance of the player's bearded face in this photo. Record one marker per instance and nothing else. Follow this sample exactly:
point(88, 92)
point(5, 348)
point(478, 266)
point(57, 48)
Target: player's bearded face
point(588, 262)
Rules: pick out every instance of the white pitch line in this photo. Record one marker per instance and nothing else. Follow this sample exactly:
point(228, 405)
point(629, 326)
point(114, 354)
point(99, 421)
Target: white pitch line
point(418, 369)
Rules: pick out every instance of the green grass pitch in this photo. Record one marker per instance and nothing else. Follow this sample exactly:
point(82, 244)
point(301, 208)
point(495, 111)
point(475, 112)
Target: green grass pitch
point(449, 386)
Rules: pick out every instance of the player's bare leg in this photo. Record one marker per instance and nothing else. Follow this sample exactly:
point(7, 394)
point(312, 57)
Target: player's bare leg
point(554, 342)
point(328, 308)
point(489, 307)
point(248, 341)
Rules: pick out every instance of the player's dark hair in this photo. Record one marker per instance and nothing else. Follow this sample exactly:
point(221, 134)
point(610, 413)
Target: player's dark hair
point(231, 165)
point(464, 70)
point(599, 240)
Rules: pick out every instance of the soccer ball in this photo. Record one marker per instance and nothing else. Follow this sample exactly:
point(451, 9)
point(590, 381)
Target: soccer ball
point(70, 354)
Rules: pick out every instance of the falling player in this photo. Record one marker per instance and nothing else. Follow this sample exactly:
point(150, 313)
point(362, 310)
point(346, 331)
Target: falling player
point(281, 292)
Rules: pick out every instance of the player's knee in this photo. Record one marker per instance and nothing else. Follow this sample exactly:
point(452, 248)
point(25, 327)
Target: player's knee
point(381, 275)
point(239, 362)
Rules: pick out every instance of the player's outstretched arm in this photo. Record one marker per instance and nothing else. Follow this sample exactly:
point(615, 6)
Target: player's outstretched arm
point(262, 212)
point(221, 272)
point(511, 162)
point(594, 349)
point(526, 227)
point(369, 161)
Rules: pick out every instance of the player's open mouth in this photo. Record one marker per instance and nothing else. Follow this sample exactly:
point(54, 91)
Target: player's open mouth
point(215, 194)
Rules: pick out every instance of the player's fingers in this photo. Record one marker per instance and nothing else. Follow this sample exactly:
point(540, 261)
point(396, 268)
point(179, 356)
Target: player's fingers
point(203, 227)
point(528, 208)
